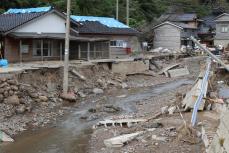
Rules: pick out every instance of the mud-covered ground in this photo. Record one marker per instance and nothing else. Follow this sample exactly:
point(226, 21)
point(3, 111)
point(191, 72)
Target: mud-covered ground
point(126, 96)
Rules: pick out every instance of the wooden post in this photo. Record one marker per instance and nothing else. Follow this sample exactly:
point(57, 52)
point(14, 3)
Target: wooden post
point(109, 50)
point(66, 51)
point(79, 51)
point(20, 52)
point(42, 53)
point(88, 51)
point(94, 50)
point(61, 48)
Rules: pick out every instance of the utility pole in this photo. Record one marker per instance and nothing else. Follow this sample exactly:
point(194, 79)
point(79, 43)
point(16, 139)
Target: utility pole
point(117, 9)
point(66, 51)
point(127, 12)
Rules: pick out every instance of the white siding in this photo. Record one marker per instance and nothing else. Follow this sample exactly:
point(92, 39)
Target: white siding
point(51, 23)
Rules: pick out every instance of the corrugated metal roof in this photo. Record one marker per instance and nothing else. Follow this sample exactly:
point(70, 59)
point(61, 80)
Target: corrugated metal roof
point(110, 22)
point(28, 10)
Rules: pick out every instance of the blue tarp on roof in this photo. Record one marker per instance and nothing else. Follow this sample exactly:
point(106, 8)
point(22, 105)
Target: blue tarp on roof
point(110, 22)
point(29, 10)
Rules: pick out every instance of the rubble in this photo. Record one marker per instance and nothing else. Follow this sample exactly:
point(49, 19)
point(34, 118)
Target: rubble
point(97, 91)
point(119, 141)
point(5, 138)
point(178, 72)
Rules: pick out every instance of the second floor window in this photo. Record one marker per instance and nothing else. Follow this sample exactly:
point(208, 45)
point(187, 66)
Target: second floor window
point(224, 28)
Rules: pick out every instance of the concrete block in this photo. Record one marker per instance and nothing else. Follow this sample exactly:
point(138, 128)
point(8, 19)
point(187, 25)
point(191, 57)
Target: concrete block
point(126, 67)
point(178, 72)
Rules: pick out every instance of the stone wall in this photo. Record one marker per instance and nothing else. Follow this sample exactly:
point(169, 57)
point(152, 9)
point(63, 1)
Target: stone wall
point(220, 143)
point(8, 88)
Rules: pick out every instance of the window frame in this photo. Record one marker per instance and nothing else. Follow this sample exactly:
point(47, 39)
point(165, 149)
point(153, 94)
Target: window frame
point(118, 43)
point(40, 47)
point(224, 29)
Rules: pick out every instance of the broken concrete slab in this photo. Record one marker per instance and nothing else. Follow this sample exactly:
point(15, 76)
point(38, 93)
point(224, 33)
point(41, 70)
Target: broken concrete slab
point(119, 122)
point(130, 67)
point(164, 70)
point(119, 141)
point(5, 138)
point(224, 92)
point(178, 72)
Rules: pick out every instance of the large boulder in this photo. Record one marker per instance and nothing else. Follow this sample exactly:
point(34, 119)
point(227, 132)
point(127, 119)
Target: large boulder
point(14, 100)
point(97, 91)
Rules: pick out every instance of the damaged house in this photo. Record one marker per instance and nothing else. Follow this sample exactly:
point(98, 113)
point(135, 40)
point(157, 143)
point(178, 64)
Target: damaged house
point(38, 34)
point(174, 30)
point(222, 30)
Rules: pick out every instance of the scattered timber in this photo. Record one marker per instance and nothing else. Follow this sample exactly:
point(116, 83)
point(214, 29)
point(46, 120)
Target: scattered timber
point(119, 141)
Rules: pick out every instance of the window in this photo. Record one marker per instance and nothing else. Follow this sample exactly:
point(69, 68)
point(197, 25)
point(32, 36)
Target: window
point(224, 28)
point(24, 47)
point(37, 48)
point(42, 46)
point(118, 43)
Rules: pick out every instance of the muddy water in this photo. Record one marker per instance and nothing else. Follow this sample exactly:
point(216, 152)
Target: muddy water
point(71, 135)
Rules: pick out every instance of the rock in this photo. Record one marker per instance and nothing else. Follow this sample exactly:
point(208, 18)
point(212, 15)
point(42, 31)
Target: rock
point(69, 97)
point(124, 85)
point(20, 109)
point(172, 109)
point(11, 92)
point(97, 91)
point(5, 138)
point(92, 110)
point(4, 85)
point(12, 82)
point(111, 109)
point(6, 94)
point(1, 90)
point(33, 95)
point(15, 88)
point(213, 95)
point(153, 125)
point(43, 98)
point(81, 94)
point(155, 137)
point(1, 98)
point(14, 100)
point(164, 110)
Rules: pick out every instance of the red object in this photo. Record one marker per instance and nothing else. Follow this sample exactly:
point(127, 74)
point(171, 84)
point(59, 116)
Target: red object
point(128, 50)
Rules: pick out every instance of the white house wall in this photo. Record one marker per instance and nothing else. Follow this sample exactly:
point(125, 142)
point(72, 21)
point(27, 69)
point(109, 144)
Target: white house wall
point(51, 23)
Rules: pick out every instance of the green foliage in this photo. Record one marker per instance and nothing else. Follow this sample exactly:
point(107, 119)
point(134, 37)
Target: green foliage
point(141, 11)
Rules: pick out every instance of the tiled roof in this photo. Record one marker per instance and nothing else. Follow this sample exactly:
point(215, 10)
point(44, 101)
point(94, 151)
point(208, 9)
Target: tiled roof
point(95, 27)
point(178, 17)
point(11, 21)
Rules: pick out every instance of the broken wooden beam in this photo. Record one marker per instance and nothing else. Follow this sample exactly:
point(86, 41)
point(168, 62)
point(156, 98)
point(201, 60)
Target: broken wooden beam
point(80, 76)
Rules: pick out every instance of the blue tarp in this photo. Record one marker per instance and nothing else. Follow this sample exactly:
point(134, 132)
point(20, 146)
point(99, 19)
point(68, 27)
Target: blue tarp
point(110, 22)
point(28, 10)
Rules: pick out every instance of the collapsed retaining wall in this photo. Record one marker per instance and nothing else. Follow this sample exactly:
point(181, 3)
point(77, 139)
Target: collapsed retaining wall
point(220, 143)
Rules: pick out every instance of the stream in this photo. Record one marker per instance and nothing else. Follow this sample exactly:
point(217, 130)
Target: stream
point(71, 134)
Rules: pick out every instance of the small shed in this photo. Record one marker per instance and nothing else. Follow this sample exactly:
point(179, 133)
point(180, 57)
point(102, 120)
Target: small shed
point(167, 35)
